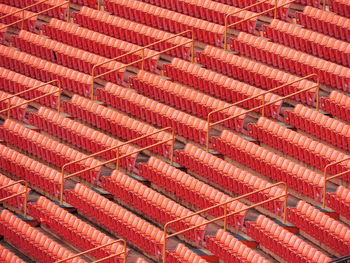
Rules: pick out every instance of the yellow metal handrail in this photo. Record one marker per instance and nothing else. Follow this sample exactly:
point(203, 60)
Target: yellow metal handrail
point(36, 14)
point(142, 60)
point(249, 18)
point(9, 108)
point(263, 105)
point(63, 177)
point(14, 195)
point(99, 247)
point(226, 215)
point(332, 177)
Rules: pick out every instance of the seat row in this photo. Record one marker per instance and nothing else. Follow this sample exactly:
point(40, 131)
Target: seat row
point(58, 12)
point(190, 189)
point(210, 11)
point(269, 164)
point(337, 104)
point(80, 135)
point(299, 146)
point(96, 43)
point(66, 56)
point(231, 250)
point(319, 125)
point(228, 176)
point(132, 32)
point(309, 41)
point(28, 24)
point(7, 256)
point(12, 190)
point(220, 86)
point(14, 82)
point(283, 243)
point(321, 226)
point(167, 20)
point(117, 124)
point(153, 204)
point(48, 149)
point(74, 230)
point(36, 173)
point(294, 61)
point(341, 7)
point(123, 223)
point(183, 98)
point(44, 70)
point(340, 201)
point(5, 103)
point(154, 112)
point(255, 73)
point(31, 241)
point(324, 22)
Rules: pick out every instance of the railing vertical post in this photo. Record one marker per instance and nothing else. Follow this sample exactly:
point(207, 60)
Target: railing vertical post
point(62, 185)
point(285, 205)
point(25, 200)
point(117, 157)
point(192, 47)
point(165, 243)
point(263, 108)
point(68, 11)
point(143, 59)
point(275, 12)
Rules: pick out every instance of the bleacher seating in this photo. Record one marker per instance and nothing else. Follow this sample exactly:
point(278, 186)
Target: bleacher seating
point(31, 240)
point(169, 100)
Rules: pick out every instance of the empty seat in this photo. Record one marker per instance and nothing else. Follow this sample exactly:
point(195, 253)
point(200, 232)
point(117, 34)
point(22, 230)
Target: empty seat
point(300, 146)
point(167, 20)
point(37, 174)
point(294, 61)
point(255, 73)
point(31, 241)
point(231, 250)
point(73, 229)
point(154, 112)
point(309, 41)
point(283, 243)
point(190, 189)
point(18, 112)
point(270, 164)
point(80, 135)
point(13, 82)
point(7, 256)
point(48, 149)
point(184, 98)
point(337, 104)
point(58, 12)
point(321, 226)
point(28, 24)
point(325, 22)
point(44, 70)
point(67, 56)
point(153, 204)
point(126, 30)
point(228, 176)
point(12, 190)
point(211, 11)
point(120, 221)
point(319, 125)
point(117, 123)
point(220, 86)
point(341, 7)
point(97, 43)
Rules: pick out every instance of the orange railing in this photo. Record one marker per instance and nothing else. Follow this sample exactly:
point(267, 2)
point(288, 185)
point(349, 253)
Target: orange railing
point(36, 14)
point(326, 179)
point(25, 192)
point(226, 214)
point(210, 125)
point(142, 60)
point(117, 147)
point(124, 252)
point(227, 26)
point(9, 108)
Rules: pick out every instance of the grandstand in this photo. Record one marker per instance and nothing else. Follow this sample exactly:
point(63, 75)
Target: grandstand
point(175, 131)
